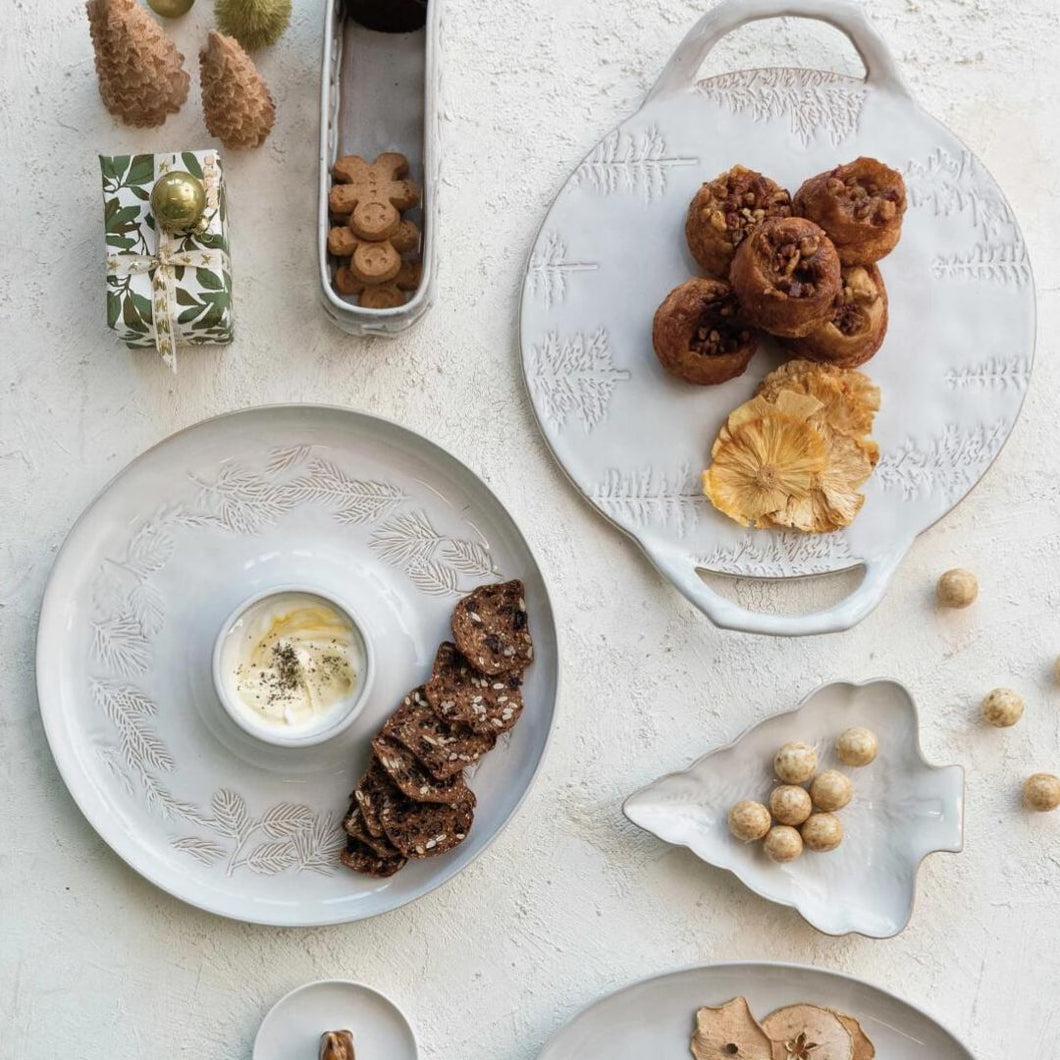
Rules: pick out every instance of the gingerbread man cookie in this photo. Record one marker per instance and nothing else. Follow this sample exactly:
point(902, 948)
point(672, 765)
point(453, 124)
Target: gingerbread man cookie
point(381, 295)
point(372, 194)
point(372, 264)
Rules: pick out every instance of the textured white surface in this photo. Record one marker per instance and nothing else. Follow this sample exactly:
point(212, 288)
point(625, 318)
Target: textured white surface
point(571, 901)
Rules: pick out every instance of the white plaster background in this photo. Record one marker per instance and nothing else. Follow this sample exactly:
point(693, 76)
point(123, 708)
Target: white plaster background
point(571, 902)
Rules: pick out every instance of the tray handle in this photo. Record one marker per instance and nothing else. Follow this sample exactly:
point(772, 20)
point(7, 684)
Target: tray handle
point(843, 615)
point(848, 16)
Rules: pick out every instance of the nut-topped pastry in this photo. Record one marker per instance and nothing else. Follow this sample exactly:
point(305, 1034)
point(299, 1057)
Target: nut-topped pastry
point(860, 205)
point(786, 276)
point(857, 325)
point(725, 210)
point(699, 333)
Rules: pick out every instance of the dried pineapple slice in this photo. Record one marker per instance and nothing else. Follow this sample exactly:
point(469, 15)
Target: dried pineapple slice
point(763, 458)
point(849, 398)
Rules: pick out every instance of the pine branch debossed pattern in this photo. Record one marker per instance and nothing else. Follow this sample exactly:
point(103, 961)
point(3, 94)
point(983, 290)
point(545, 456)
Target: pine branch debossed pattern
point(574, 376)
point(643, 497)
point(635, 165)
point(812, 101)
point(551, 270)
point(950, 463)
point(779, 555)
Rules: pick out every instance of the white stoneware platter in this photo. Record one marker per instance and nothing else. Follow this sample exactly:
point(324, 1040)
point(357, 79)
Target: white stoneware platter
point(953, 369)
point(295, 1023)
point(903, 809)
point(655, 1017)
point(353, 507)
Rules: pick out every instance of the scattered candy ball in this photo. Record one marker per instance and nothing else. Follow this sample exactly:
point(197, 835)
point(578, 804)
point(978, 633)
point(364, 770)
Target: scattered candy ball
point(795, 763)
point(822, 832)
point(957, 588)
point(783, 844)
point(1041, 792)
point(831, 790)
point(1003, 707)
point(857, 747)
point(790, 804)
point(749, 821)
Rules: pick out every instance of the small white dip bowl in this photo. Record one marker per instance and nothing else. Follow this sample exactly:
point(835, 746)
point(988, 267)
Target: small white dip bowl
point(226, 655)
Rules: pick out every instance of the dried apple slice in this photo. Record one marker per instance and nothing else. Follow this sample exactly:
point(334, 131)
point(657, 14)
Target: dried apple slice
point(806, 1032)
point(731, 1033)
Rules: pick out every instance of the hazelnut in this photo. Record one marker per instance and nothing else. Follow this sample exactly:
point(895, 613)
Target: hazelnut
point(790, 804)
point(1003, 707)
point(749, 821)
point(1041, 792)
point(783, 844)
point(822, 832)
point(795, 763)
point(857, 747)
point(957, 588)
point(831, 790)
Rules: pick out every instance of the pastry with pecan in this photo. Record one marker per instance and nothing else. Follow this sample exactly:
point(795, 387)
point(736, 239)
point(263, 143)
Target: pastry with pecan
point(786, 276)
point(725, 210)
point(699, 333)
point(860, 205)
point(857, 326)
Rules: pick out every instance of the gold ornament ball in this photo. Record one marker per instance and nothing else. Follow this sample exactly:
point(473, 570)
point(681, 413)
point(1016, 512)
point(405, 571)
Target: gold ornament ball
point(957, 588)
point(1003, 708)
point(178, 201)
point(1041, 792)
point(170, 8)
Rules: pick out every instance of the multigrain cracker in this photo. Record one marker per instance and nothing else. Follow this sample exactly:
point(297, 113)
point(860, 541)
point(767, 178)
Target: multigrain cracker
point(490, 626)
point(457, 692)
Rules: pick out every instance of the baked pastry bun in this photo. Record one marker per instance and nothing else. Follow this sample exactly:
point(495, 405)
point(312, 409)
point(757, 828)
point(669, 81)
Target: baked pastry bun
point(700, 335)
point(860, 205)
point(857, 326)
point(725, 210)
point(786, 276)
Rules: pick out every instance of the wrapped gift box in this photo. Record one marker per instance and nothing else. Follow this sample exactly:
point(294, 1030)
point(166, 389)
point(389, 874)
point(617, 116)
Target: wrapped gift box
point(165, 290)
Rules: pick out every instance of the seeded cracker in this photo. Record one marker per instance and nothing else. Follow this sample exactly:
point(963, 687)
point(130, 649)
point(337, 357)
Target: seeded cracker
point(444, 747)
point(425, 830)
point(371, 794)
point(355, 827)
point(412, 777)
point(460, 694)
point(364, 859)
point(491, 628)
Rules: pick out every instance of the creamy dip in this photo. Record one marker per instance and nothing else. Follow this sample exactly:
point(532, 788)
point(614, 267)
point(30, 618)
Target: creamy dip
point(292, 661)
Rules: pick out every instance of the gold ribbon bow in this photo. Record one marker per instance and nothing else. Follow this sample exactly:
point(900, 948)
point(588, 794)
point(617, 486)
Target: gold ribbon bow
point(161, 264)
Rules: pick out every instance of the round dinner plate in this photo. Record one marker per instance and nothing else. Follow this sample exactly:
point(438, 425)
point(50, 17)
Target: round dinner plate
point(953, 369)
point(656, 1017)
point(327, 499)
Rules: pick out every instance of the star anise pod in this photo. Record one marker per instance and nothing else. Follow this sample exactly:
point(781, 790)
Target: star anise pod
point(800, 1048)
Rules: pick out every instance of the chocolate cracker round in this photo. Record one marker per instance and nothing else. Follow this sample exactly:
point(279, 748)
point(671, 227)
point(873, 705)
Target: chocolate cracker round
point(425, 830)
point(365, 860)
point(444, 748)
point(461, 695)
point(411, 776)
point(491, 628)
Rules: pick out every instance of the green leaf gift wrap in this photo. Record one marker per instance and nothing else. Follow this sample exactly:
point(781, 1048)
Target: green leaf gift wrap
point(165, 290)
